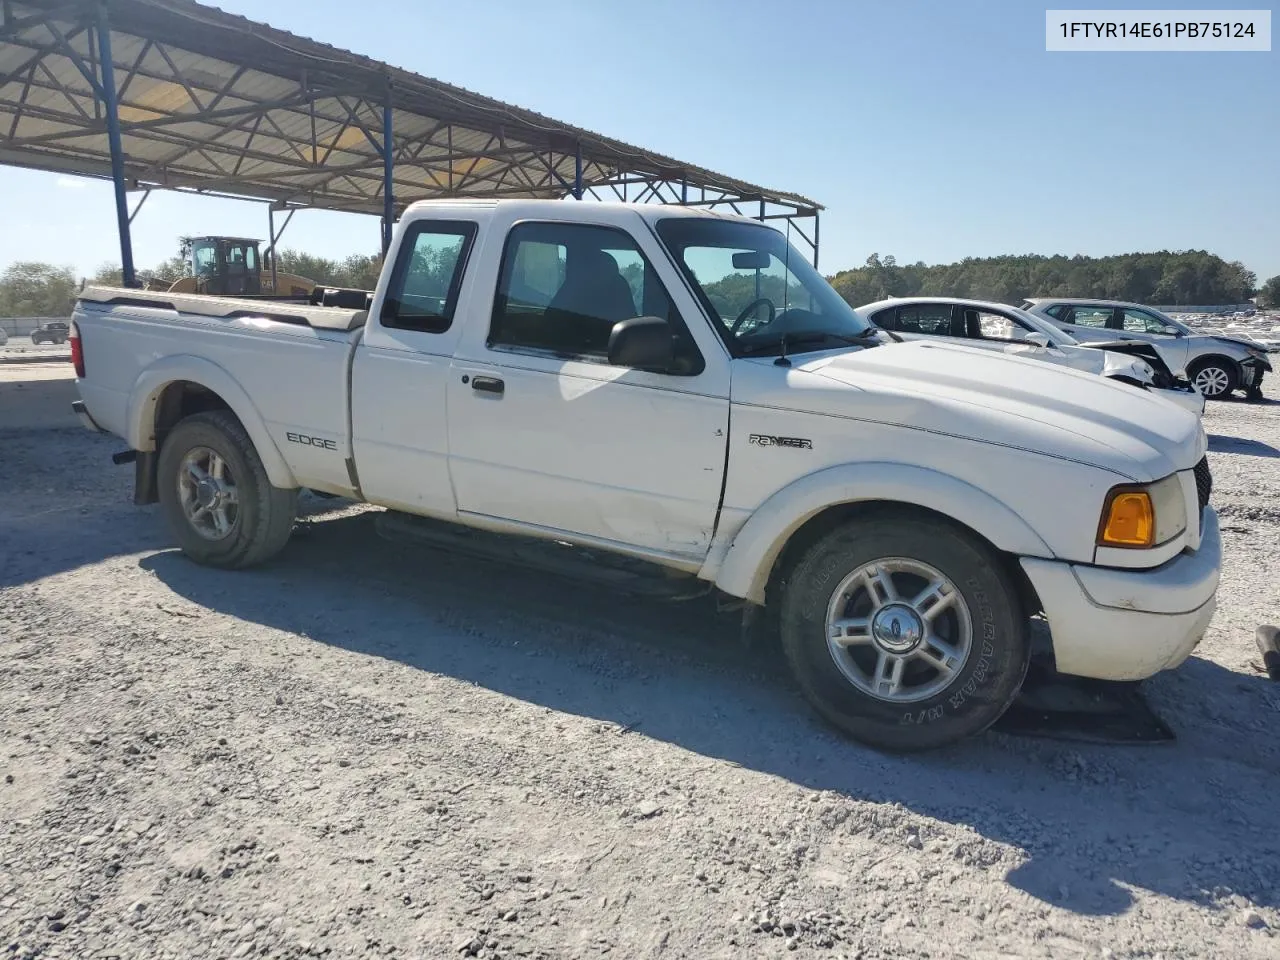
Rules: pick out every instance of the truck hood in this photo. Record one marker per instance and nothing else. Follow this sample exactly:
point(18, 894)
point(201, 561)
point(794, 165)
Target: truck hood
point(1043, 408)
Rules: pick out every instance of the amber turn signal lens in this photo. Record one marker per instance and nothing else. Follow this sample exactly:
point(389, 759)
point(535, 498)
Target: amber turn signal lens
point(1128, 521)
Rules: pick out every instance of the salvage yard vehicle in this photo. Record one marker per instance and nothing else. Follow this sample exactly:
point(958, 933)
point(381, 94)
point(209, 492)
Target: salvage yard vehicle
point(998, 326)
point(55, 331)
point(1216, 364)
point(680, 395)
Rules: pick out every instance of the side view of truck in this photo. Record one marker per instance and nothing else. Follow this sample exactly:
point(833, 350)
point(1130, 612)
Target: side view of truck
point(682, 392)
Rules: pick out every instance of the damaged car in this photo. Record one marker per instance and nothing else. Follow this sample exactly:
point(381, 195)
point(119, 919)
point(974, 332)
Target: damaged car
point(1010, 330)
point(1215, 363)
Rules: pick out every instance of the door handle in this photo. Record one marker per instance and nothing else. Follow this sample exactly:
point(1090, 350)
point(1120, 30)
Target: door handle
point(488, 384)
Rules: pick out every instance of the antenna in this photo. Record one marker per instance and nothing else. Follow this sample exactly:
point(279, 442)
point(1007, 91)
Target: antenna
point(782, 360)
point(786, 268)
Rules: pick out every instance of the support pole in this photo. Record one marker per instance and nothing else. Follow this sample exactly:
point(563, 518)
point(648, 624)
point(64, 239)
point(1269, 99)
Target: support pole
point(271, 232)
point(577, 173)
point(108, 93)
point(388, 200)
point(815, 239)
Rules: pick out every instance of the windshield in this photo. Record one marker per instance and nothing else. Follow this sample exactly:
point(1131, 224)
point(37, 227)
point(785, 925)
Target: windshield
point(758, 287)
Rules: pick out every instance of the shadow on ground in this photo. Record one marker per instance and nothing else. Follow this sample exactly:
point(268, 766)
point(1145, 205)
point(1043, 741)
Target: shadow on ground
point(1220, 443)
point(1091, 820)
point(64, 504)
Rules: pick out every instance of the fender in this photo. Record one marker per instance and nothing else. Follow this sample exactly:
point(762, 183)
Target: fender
point(151, 383)
point(745, 563)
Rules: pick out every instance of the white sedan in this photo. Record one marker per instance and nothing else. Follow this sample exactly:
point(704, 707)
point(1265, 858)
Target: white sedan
point(1008, 329)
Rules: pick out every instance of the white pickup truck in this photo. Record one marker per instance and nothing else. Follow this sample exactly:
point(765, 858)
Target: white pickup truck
point(682, 392)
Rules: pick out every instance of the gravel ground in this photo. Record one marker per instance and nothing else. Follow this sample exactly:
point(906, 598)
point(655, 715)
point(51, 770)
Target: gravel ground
point(365, 750)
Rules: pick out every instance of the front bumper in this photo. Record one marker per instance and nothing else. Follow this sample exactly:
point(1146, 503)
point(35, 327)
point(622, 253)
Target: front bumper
point(1251, 373)
point(1114, 624)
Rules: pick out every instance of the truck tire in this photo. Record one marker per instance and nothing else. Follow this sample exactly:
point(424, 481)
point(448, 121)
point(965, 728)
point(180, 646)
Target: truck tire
point(904, 631)
point(1215, 377)
point(216, 496)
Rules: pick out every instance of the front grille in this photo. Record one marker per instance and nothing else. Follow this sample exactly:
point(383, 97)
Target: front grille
point(1204, 481)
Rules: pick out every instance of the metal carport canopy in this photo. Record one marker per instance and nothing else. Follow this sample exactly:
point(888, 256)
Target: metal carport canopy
point(178, 95)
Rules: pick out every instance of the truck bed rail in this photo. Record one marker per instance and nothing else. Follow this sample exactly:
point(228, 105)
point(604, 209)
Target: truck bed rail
point(324, 318)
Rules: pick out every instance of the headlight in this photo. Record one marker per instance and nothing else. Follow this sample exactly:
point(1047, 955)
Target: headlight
point(1141, 516)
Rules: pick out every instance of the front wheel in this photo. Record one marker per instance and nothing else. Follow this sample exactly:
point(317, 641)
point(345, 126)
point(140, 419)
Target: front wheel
point(904, 631)
point(215, 493)
point(1213, 377)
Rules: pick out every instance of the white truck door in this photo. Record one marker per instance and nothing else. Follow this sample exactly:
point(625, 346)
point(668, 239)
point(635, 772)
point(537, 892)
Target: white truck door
point(544, 431)
point(398, 383)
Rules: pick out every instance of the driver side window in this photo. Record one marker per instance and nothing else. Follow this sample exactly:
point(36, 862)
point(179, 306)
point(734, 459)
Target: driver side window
point(1137, 321)
point(996, 326)
point(563, 287)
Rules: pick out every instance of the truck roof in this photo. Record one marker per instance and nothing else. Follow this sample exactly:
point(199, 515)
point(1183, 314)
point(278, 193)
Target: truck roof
point(649, 211)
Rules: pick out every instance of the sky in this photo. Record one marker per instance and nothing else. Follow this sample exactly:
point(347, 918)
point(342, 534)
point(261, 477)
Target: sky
point(930, 131)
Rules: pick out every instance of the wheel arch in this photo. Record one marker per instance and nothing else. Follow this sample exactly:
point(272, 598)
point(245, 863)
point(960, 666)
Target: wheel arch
point(175, 387)
point(795, 516)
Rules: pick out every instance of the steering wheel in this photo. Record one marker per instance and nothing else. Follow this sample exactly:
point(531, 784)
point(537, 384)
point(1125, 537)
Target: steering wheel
point(750, 309)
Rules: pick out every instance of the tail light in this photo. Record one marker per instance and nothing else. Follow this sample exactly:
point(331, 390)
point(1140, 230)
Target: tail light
point(77, 350)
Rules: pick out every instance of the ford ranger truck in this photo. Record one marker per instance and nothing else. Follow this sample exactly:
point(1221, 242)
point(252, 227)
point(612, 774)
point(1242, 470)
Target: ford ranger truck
point(682, 392)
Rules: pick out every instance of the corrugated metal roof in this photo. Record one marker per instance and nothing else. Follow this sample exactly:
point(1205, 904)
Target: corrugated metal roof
point(215, 102)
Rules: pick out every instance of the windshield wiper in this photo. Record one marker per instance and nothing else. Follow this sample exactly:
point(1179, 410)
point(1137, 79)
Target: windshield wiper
point(785, 342)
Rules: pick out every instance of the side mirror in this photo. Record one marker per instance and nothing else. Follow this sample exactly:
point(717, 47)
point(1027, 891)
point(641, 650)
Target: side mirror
point(644, 343)
point(1038, 338)
point(1171, 331)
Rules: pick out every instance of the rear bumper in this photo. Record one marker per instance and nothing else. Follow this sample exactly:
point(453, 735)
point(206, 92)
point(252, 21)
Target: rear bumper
point(86, 418)
point(1129, 624)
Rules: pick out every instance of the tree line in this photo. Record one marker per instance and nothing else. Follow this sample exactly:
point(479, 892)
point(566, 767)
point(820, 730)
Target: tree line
point(1192, 277)
point(1189, 277)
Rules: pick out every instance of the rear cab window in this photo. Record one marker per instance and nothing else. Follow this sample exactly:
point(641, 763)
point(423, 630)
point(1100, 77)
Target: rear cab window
point(422, 293)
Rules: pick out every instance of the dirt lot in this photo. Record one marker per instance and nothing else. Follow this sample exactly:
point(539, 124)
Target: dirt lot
point(21, 348)
point(374, 751)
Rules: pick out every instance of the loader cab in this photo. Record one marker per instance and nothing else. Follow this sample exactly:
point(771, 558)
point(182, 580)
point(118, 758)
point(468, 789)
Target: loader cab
point(229, 266)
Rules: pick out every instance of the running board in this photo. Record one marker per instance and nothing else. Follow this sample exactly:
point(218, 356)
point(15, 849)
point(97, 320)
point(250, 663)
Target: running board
point(580, 564)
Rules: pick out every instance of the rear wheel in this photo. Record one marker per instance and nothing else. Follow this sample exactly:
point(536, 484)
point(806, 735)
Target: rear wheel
point(1213, 377)
point(215, 493)
point(904, 632)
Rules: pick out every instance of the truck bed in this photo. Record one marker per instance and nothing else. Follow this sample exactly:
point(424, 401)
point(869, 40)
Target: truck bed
point(291, 360)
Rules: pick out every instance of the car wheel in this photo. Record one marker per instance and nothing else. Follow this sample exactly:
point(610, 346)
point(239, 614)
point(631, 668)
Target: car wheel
point(1213, 377)
point(215, 493)
point(904, 631)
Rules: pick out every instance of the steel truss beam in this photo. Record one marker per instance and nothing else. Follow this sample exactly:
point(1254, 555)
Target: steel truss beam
point(237, 131)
